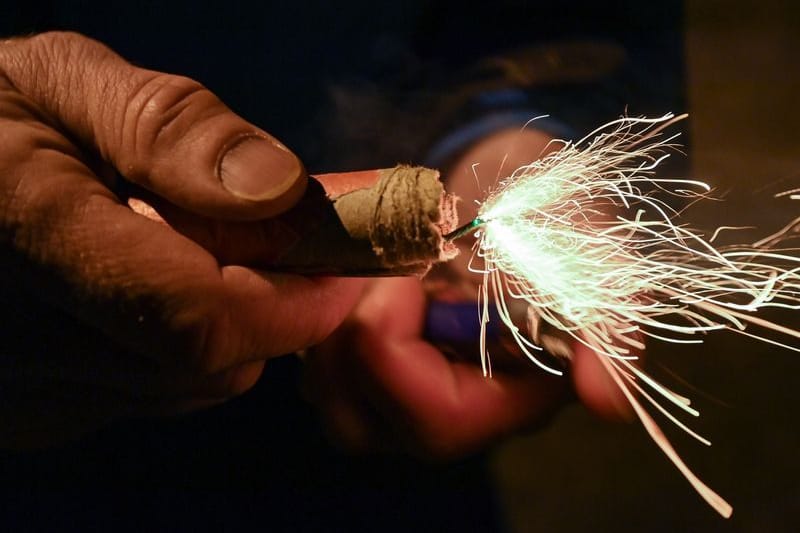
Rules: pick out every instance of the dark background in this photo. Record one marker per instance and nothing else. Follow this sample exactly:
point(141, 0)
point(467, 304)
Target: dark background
point(317, 75)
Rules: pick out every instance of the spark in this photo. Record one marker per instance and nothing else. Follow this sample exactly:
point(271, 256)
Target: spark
point(587, 238)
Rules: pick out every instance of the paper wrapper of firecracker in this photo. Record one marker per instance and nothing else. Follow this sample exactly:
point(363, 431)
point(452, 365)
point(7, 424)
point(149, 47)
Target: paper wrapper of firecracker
point(387, 222)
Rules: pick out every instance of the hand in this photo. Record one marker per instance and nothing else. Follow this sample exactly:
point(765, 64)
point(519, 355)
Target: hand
point(380, 385)
point(105, 311)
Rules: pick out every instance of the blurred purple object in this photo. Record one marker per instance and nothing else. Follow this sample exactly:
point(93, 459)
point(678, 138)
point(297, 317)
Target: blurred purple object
point(459, 322)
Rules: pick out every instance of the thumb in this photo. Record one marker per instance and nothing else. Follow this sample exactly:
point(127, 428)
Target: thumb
point(166, 133)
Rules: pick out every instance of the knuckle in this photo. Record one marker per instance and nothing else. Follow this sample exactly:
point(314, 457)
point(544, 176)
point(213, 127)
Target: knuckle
point(54, 39)
point(39, 46)
point(51, 43)
point(38, 217)
point(42, 57)
point(160, 110)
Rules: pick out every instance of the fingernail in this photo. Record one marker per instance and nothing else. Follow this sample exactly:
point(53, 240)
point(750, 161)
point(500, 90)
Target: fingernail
point(256, 168)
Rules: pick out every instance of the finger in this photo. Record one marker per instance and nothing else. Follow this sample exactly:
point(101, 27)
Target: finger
point(166, 133)
point(254, 243)
point(451, 408)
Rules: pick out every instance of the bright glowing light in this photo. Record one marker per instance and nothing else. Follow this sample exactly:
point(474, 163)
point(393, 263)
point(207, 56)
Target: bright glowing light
point(587, 239)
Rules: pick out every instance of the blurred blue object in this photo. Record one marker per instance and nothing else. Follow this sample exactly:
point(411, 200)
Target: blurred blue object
point(459, 322)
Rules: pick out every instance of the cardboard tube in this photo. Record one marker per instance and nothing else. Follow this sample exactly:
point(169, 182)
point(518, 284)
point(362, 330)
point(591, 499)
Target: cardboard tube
point(371, 223)
point(387, 222)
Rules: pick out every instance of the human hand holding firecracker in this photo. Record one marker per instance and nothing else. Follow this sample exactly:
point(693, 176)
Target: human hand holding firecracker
point(106, 312)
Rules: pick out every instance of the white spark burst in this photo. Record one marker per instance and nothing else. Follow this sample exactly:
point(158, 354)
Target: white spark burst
point(586, 238)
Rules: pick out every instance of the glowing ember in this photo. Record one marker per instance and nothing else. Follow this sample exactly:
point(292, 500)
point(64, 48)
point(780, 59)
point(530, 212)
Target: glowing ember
point(586, 240)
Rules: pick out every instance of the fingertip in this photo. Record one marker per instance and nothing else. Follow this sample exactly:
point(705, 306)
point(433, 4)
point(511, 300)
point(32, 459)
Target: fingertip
point(260, 170)
point(282, 313)
point(395, 307)
point(337, 297)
